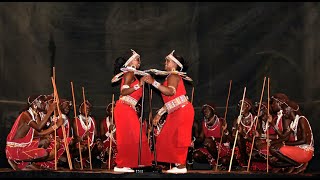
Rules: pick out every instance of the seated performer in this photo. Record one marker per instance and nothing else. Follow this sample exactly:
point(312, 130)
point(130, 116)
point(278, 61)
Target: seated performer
point(107, 133)
point(266, 130)
point(65, 110)
point(22, 148)
point(84, 132)
point(245, 131)
point(209, 138)
point(298, 148)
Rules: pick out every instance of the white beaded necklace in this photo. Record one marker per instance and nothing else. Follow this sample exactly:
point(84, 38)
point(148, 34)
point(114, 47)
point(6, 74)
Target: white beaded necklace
point(251, 120)
point(215, 117)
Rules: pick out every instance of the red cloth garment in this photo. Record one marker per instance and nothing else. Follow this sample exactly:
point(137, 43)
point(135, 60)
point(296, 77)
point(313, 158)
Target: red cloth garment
point(225, 151)
point(106, 142)
point(60, 151)
point(271, 129)
point(128, 133)
point(175, 137)
point(214, 131)
point(83, 128)
point(24, 148)
point(300, 153)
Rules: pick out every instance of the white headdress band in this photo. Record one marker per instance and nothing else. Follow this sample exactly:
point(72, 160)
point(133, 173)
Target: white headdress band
point(245, 102)
point(36, 99)
point(208, 106)
point(133, 57)
point(172, 58)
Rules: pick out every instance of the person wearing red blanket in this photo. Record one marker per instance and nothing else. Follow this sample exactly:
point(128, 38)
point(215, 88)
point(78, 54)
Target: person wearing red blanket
point(86, 129)
point(22, 148)
point(175, 137)
point(209, 138)
point(127, 121)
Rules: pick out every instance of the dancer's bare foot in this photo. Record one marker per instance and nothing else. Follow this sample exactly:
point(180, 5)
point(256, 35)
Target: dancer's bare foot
point(276, 170)
point(32, 166)
point(289, 169)
point(300, 169)
point(13, 165)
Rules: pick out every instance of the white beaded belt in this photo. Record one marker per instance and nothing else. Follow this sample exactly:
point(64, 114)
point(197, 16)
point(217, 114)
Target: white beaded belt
point(129, 101)
point(306, 147)
point(14, 144)
point(176, 103)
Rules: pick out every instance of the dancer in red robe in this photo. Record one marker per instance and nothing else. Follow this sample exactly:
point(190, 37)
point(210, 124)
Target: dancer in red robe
point(175, 137)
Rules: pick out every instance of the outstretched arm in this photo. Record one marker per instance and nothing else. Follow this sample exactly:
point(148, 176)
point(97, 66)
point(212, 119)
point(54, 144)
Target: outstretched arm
point(170, 90)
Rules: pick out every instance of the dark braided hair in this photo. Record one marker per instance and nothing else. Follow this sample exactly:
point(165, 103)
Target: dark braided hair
point(183, 62)
point(119, 62)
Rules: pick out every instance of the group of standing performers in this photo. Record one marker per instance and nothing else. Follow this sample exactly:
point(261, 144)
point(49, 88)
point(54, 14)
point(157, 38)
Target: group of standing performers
point(280, 134)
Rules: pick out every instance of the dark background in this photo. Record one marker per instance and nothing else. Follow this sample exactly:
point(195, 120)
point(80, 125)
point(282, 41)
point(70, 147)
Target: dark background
point(242, 42)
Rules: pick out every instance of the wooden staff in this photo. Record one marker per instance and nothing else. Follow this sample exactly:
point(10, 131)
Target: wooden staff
point(267, 125)
point(75, 119)
point(256, 122)
point(62, 126)
point(150, 113)
point(152, 141)
point(225, 122)
point(86, 114)
point(238, 121)
point(55, 123)
point(110, 136)
point(192, 94)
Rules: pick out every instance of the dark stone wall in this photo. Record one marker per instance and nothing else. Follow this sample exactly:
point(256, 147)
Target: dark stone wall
point(242, 42)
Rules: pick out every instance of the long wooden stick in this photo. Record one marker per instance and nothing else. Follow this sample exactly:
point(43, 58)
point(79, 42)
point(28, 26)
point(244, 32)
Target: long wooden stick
point(62, 126)
point(86, 114)
point(150, 114)
point(111, 136)
point(192, 95)
point(75, 119)
point(256, 122)
point(55, 123)
point(238, 121)
point(267, 125)
point(225, 121)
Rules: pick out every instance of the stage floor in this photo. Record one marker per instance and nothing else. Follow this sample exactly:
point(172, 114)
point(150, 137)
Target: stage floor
point(9, 173)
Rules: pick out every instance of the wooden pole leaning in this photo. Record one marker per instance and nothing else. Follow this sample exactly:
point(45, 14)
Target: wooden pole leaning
point(62, 126)
point(111, 136)
point(236, 136)
point(150, 114)
point(267, 125)
point(75, 119)
point(86, 115)
point(55, 123)
point(225, 121)
point(192, 95)
point(256, 122)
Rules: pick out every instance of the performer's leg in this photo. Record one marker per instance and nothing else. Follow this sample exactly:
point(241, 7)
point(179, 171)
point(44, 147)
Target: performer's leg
point(212, 148)
point(199, 157)
point(241, 142)
point(52, 152)
point(300, 169)
point(283, 161)
point(190, 157)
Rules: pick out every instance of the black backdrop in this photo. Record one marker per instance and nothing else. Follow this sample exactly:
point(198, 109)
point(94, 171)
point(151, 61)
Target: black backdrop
point(242, 42)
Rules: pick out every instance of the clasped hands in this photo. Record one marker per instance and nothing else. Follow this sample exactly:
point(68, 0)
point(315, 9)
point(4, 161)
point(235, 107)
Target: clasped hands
point(147, 78)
